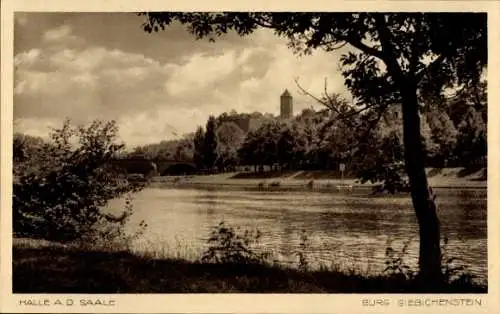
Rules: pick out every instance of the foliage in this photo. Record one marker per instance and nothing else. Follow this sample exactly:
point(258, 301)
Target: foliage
point(178, 149)
point(28, 153)
point(395, 265)
point(210, 144)
point(321, 140)
point(382, 161)
point(285, 154)
point(260, 146)
point(471, 141)
point(112, 236)
point(452, 268)
point(229, 139)
point(301, 252)
point(60, 193)
point(199, 138)
point(229, 245)
point(184, 149)
point(445, 134)
point(26, 146)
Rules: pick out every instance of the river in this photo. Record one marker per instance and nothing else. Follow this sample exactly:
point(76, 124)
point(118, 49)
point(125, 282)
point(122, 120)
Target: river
point(343, 230)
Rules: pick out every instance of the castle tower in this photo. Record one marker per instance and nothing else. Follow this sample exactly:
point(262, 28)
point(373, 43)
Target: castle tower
point(286, 105)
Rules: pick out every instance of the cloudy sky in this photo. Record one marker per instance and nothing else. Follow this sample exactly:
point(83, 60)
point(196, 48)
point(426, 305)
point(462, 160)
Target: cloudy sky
point(87, 66)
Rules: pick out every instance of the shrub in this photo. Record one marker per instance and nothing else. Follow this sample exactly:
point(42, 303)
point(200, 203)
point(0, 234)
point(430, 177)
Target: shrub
point(395, 264)
point(108, 233)
point(453, 270)
point(301, 252)
point(227, 245)
point(452, 267)
point(59, 192)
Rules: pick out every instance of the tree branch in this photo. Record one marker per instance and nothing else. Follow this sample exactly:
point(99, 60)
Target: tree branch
point(336, 48)
point(311, 95)
point(387, 48)
point(414, 53)
point(330, 104)
point(261, 23)
point(431, 66)
point(333, 41)
point(355, 42)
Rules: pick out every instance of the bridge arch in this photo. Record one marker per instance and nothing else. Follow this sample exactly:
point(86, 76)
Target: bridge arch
point(148, 167)
point(180, 168)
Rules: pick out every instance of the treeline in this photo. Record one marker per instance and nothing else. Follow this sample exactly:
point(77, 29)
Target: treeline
point(221, 136)
point(454, 134)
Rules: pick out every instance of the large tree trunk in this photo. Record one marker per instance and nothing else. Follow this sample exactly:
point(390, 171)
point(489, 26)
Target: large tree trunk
point(422, 196)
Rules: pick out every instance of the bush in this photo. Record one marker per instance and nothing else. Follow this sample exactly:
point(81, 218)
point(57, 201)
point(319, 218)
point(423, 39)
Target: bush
point(395, 264)
point(108, 233)
point(301, 252)
point(59, 192)
point(453, 270)
point(391, 174)
point(229, 246)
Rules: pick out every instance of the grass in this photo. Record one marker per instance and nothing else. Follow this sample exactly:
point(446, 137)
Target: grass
point(65, 269)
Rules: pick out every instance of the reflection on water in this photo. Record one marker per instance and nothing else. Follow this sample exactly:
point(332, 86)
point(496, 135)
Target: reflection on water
point(342, 229)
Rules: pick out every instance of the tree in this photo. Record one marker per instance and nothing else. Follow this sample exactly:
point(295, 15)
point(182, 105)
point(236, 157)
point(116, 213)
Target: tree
point(184, 149)
point(468, 111)
point(285, 147)
point(307, 130)
point(199, 139)
point(444, 134)
point(267, 141)
point(395, 59)
point(229, 139)
point(61, 198)
point(27, 150)
point(248, 150)
point(210, 144)
point(429, 145)
point(471, 142)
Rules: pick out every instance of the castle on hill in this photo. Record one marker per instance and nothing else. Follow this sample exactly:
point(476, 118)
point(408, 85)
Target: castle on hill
point(286, 105)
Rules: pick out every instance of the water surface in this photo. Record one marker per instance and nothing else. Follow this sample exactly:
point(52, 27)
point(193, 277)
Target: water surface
point(352, 231)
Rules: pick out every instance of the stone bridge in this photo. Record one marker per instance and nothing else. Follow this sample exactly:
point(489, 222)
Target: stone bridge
point(155, 167)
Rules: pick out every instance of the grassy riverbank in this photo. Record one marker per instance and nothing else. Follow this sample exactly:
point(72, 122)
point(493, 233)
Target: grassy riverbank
point(449, 178)
point(54, 268)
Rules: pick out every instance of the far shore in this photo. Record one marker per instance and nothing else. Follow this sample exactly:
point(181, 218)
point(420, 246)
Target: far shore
point(319, 181)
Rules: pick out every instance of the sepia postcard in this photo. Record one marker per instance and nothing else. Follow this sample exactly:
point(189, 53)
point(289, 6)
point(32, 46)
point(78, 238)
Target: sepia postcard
point(235, 157)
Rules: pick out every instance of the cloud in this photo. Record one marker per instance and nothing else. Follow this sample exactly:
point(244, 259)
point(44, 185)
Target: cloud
point(20, 18)
point(199, 71)
point(27, 58)
point(61, 37)
point(87, 84)
point(153, 98)
point(36, 126)
point(58, 33)
point(262, 82)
